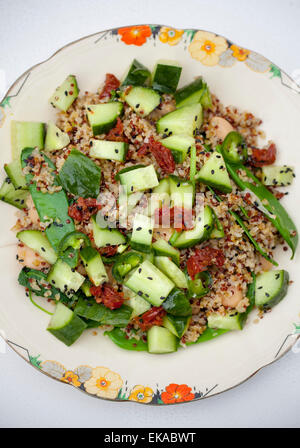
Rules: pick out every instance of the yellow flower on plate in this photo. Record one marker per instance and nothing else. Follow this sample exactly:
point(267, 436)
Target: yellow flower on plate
point(207, 47)
point(104, 383)
point(239, 53)
point(71, 378)
point(170, 36)
point(141, 394)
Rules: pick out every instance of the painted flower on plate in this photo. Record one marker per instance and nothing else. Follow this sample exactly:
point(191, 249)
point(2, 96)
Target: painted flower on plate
point(239, 53)
point(141, 394)
point(258, 63)
point(170, 36)
point(175, 393)
point(71, 378)
point(53, 368)
point(207, 47)
point(104, 383)
point(135, 35)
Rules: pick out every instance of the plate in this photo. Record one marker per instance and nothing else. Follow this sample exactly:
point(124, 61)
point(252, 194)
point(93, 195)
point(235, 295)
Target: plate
point(94, 364)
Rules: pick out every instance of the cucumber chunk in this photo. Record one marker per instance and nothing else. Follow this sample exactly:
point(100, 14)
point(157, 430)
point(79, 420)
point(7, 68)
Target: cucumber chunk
point(204, 223)
point(142, 100)
point(107, 236)
point(63, 277)
point(163, 186)
point(277, 176)
point(137, 75)
point(94, 265)
point(214, 173)
point(190, 94)
point(65, 94)
point(169, 268)
point(150, 283)
point(166, 76)
point(13, 196)
point(138, 304)
point(162, 248)
point(229, 321)
point(102, 149)
point(37, 240)
point(55, 138)
point(139, 179)
point(182, 193)
point(65, 325)
point(26, 134)
point(181, 121)
point(161, 340)
point(102, 117)
point(179, 146)
point(177, 304)
point(270, 288)
point(86, 288)
point(142, 233)
point(14, 172)
point(176, 325)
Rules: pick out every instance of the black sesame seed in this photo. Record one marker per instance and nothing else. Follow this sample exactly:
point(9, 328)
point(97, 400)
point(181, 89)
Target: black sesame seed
point(43, 249)
point(149, 278)
point(139, 228)
point(212, 171)
point(150, 231)
point(116, 150)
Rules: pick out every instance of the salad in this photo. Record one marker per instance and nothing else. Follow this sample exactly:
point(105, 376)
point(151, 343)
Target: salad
point(148, 212)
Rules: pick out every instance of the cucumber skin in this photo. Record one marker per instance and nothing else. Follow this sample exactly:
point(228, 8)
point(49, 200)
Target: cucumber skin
point(137, 75)
point(172, 343)
point(182, 95)
point(140, 247)
point(281, 294)
point(71, 332)
point(164, 76)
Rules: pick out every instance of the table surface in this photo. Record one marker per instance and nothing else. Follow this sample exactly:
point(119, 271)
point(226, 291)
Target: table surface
point(30, 32)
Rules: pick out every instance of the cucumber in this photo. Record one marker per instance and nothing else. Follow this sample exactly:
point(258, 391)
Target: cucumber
point(65, 94)
point(277, 176)
point(206, 100)
point(55, 138)
point(190, 94)
point(204, 223)
point(161, 340)
point(270, 288)
point(181, 121)
point(163, 186)
point(37, 240)
point(93, 265)
point(166, 76)
point(214, 173)
point(89, 309)
point(229, 321)
point(102, 149)
point(65, 325)
point(169, 268)
point(176, 325)
point(86, 288)
point(218, 230)
point(63, 277)
point(150, 283)
point(142, 100)
point(14, 172)
point(182, 193)
point(13, 196)
point(179, 146)
point(106, 237)
point(138, 304)
point(137, 75)
point(102, 117)
point(160, 196)
point(162, 248)
point(139, 179)
point(177, 304)
point(26, 134)
point(141, 238)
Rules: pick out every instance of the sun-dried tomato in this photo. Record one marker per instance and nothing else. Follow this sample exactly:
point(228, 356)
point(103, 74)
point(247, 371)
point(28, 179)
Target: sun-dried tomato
point(111, 83)
point(108, 251)
point(177, 217)
point(152, 317)
point(162, 155)
point(203, 258)
point(262, 157)
point(108, 296)
point(83, 209)
point(116, 134)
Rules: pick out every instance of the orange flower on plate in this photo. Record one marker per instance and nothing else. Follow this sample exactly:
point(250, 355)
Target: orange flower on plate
point(239, 53)
point(71, 378)
point(177, 394)
point(135, 35)
point(170, 36)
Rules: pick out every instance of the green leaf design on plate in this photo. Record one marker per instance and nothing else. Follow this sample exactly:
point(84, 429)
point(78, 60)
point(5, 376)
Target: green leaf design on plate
point(297, 329)
point(275, 71)
point(190, 34)
point(6, 102)
point(34, 360)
